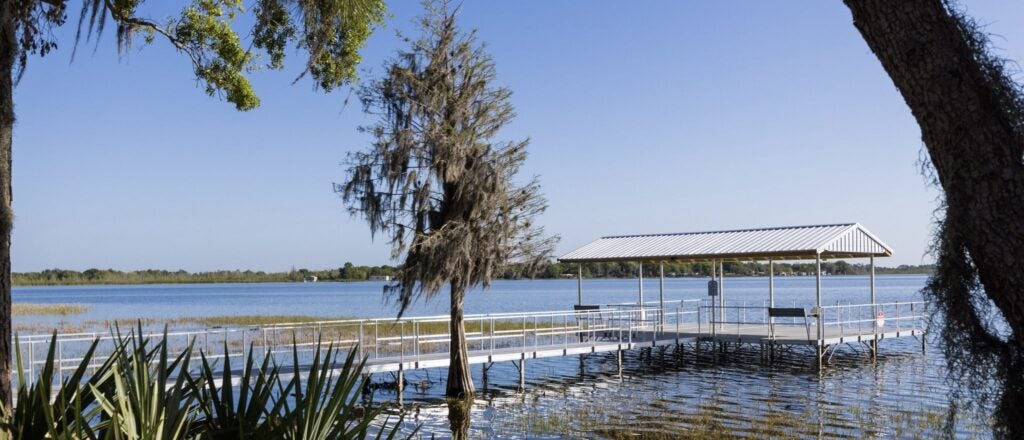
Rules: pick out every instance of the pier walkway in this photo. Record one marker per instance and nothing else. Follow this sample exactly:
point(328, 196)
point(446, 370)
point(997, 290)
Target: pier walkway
point(391, 345)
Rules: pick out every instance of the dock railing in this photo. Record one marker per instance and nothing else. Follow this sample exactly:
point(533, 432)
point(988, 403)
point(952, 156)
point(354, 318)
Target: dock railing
point(399, 340)
point(748, 320)
point(880, 318)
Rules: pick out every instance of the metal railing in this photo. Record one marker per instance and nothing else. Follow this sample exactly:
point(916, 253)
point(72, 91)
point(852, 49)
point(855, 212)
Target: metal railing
point(428, 337)
point(393, 340)
point(746, 319)
point(879, 318)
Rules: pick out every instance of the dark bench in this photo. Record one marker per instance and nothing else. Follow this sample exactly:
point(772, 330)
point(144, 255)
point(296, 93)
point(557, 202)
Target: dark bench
point(592, 316)
point(788, 312)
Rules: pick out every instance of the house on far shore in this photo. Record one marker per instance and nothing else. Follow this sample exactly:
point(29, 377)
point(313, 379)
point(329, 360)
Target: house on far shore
point(379, 278)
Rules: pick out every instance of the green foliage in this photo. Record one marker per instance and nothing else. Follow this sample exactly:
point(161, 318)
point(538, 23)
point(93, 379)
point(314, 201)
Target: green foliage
point(225, 417)
point(143, 392)
point(335, 31)
point(150, 398)
point(42, 413)
point(221, 60)
point(351, 272)
point(50, 277)
point(273, 30)
point(331, 32)
point(323, 409)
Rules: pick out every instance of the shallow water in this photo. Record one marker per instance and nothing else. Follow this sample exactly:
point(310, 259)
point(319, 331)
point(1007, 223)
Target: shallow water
point(667, 393)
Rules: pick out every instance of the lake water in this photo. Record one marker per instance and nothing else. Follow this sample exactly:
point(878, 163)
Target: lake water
point(669, 394)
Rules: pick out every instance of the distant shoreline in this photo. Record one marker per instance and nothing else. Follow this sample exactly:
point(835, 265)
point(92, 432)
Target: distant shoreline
point(349, 273)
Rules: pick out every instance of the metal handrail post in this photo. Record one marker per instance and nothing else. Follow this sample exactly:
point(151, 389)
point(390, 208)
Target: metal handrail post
point(60, 360)
point(535, 332)
point(629, 335)
point(565, 331)
point(679, 318)
point(839, 320)
point(524, 333)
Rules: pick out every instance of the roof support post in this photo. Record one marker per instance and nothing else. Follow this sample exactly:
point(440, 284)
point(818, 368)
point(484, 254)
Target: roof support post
point(579, 284)
point(874, 313)
point(714, 315)
point(872, 279)
point(641, 285)
point(721, 291)
point(817, 296)
point(771, 287)
point(661, 293)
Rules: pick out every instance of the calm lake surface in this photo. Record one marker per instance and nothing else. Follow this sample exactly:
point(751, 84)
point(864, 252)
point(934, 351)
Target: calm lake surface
point(902, 394)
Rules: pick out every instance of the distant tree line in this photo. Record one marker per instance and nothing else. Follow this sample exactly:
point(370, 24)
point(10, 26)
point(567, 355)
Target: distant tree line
point(351, 272)
point(50, 277)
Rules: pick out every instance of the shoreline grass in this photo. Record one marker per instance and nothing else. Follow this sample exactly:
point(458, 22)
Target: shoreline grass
point(251, 320)
point(20, 309)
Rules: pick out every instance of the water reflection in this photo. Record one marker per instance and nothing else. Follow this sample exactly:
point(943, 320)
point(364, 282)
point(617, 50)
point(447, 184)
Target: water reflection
point(672, 393)
point(459, 411)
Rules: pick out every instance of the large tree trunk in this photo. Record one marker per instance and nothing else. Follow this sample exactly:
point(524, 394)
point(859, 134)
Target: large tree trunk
point(8, 53)
point(970, 124)
point(460, 380)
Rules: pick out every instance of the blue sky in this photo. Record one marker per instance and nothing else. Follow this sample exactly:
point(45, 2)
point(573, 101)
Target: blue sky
point(643, 117)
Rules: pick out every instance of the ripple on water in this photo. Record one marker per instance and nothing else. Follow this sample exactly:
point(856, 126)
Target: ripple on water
point(665, 395)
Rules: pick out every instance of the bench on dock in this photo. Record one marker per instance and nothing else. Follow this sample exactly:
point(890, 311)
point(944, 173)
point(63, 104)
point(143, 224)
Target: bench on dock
point(788, 312)
point(595, 324)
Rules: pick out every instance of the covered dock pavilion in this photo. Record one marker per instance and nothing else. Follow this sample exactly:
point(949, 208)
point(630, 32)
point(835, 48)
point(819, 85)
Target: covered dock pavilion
point(831, 325)
point(392, 345)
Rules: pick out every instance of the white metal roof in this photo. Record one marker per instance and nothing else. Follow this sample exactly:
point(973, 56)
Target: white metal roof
point(849, 240)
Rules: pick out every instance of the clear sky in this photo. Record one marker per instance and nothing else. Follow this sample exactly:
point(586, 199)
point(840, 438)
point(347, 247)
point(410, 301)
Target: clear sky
point(643, 117)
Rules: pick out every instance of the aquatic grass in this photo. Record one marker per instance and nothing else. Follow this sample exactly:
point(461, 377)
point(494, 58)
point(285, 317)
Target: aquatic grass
point(20, 309)
point(249, 320)
point(709, 420)
point(60, 327)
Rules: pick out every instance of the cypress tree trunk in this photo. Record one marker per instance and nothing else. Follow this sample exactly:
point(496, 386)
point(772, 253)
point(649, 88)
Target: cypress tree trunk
point(8, 54)
point(460, 381)
point(969, 118)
